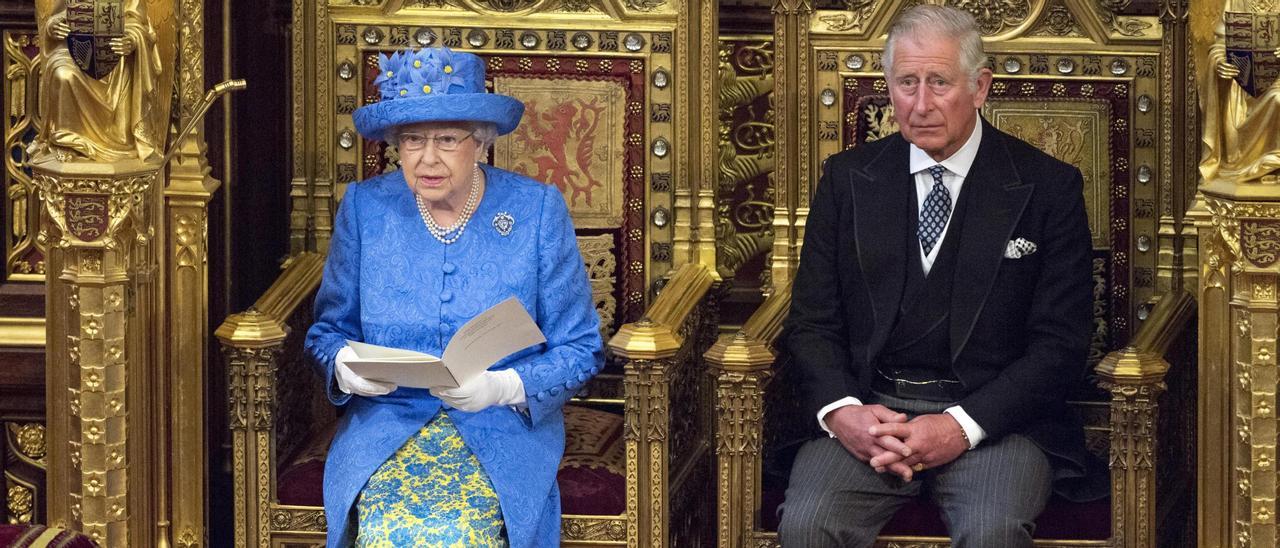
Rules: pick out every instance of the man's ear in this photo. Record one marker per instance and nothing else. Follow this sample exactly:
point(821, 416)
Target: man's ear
point(982, 86)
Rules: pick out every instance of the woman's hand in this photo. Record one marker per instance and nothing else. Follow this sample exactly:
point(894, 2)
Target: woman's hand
point(487, 390)
point(351, 382)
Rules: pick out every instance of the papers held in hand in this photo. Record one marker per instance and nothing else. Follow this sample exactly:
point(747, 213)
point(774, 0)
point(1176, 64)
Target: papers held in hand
point(495, 334)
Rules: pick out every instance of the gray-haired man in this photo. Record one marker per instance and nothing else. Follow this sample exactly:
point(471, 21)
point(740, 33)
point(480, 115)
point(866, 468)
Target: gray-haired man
point(940, 314)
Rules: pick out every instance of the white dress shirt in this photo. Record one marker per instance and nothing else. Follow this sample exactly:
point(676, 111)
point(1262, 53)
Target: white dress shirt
point(957, 166)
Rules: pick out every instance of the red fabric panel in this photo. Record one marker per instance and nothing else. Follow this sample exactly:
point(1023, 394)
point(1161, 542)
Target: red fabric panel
point(25, 536)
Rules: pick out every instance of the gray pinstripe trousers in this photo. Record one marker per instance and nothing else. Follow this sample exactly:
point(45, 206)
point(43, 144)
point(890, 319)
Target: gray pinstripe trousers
point(989, 497)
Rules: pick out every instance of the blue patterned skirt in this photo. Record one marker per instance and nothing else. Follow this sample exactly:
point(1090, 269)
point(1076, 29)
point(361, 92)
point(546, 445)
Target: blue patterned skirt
point(431, 492)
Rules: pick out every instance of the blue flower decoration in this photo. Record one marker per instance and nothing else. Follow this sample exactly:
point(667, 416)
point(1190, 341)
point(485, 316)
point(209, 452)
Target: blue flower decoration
point(391, 68)
point(450, 76)
point(418, 73)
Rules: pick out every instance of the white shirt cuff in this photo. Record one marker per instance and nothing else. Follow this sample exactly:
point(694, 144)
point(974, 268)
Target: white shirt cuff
point(847, 400)
point(971, 429)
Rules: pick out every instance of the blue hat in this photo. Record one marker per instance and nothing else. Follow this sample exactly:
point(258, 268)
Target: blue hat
point(434, 85)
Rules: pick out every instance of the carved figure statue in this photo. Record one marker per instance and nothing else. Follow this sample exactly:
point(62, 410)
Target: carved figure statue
point(101, 119)
point(1240, 94)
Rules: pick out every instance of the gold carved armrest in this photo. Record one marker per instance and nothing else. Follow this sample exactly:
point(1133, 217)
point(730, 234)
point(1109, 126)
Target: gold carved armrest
point(743, 364)
point(253, 342)
point(1134, 376)
point(668, 453)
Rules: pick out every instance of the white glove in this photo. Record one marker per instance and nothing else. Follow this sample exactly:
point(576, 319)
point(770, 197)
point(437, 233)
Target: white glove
point(352, 383)
point(489, 389)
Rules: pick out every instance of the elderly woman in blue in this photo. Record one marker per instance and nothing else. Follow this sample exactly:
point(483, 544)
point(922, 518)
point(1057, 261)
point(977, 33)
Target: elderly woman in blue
point(414, 255)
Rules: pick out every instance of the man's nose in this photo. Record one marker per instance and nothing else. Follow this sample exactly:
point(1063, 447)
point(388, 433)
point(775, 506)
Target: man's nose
point(922, 102)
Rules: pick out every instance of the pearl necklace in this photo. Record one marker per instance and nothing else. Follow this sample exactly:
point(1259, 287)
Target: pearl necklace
point(458, 227)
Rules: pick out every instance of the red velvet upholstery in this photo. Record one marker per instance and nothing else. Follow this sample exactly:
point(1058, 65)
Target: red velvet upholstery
point(592, 475)
point(1061, 519)
point(301, 483)
point(39, 536)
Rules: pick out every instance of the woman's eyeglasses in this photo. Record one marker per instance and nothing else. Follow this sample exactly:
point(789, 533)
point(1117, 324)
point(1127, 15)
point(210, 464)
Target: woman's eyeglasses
point(445, 142)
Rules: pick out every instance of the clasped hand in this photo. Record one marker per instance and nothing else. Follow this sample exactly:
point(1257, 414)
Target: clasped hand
point(886, 440)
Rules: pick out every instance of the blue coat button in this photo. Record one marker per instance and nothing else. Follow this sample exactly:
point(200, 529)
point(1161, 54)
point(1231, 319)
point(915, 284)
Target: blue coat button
point(449, 268)
point(446, 296)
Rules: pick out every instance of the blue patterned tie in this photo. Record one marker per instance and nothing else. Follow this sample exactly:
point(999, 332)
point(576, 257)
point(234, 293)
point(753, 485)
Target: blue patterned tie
point(933, 216)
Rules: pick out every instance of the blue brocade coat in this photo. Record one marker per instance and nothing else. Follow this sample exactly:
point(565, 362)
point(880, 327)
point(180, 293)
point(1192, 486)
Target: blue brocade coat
point(388, 282)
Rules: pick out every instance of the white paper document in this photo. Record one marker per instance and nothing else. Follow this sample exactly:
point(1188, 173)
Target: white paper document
point(495, 334)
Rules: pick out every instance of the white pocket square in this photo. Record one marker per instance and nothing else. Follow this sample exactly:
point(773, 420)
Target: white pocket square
point(1016, 249)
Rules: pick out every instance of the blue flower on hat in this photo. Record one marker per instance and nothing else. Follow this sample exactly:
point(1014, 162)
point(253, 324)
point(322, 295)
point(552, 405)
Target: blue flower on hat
point(434, 84)
point(448, 71)
point(417, 73)
point(390, 66)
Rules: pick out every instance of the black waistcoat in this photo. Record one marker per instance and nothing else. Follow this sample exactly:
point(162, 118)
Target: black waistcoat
point(919, 345)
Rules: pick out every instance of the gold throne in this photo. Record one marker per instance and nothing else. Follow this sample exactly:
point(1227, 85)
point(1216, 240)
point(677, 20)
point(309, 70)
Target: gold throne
point(610, 94)
point(1101, 112)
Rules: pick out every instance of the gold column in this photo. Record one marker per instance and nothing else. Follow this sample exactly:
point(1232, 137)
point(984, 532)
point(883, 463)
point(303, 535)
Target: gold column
point(743, 364)
point(707, 44)
point(302, 103)
point(127, 282)
point(323, 193)
point(791, 176)
point(741, 367)
point(1134, 376)
point(1215, 379)
point(697, 83)
point(252, 342)
point(649, 348)
point(684, 205)
point(1238, 220)
point(98, 227)
point(186, 308)
point(1175, 234)
point(1240, 240)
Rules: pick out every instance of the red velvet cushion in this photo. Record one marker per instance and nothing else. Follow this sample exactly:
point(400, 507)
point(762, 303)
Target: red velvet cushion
point(592, 475)
point(1061, 519)
point(39, 536)
point(302, 483)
